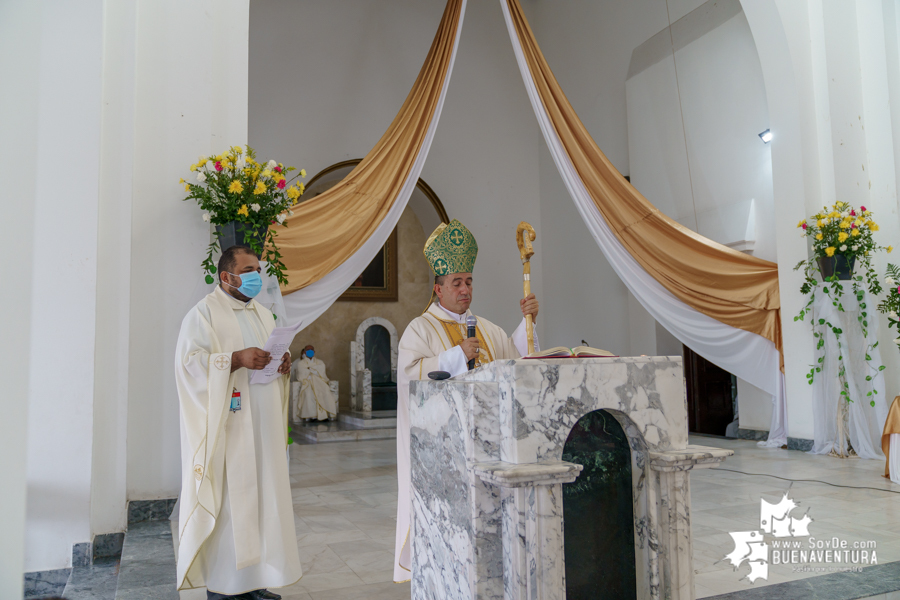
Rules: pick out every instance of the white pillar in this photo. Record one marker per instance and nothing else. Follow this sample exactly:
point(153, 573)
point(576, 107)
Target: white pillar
point(19, 52)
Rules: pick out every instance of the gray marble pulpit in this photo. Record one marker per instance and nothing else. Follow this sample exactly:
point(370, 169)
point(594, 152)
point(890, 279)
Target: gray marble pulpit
point(489, 480)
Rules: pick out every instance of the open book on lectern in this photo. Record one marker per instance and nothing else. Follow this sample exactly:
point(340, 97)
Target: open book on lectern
point(577, 352)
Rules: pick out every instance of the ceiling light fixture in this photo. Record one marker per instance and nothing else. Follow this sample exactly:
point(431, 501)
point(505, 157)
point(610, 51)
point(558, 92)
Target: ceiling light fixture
point(766, 136)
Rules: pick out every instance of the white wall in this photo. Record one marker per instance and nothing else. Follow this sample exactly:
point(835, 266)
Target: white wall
point(693, 122)
point(19, 61)
point(190, 99)
point(346, 69)
point(60, 406)
point(588, 45)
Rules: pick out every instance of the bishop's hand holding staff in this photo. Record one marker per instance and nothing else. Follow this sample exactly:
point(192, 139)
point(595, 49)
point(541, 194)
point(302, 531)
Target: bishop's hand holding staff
point(236, 520)
point(438, 341)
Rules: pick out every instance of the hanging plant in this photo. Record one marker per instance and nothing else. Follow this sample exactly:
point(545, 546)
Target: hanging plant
point(842, 238)
point(234, 188)
point(891, 305)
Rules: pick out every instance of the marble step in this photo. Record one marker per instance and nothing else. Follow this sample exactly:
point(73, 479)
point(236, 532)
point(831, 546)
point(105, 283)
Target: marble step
point(147, 568)
point(337, 431)
point(377, 419)
point(879, 582)
point(94, 582)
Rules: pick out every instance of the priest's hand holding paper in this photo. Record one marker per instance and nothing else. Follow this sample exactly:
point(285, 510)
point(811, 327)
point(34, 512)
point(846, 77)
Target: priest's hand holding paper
point(253, 359)
point(285, 367)
point(529, 306)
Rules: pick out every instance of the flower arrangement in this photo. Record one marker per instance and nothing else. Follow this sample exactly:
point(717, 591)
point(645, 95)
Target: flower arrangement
point(841, 232)
point(234, 187)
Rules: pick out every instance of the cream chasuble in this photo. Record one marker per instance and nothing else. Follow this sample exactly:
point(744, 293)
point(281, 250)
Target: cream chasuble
point(236, 520)
point(423, 348)
point(314, 398)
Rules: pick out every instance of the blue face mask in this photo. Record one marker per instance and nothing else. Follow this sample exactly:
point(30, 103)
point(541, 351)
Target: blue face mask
point(251, 283)
point(310, 353)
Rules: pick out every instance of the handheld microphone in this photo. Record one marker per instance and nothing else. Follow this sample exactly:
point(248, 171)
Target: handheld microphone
point(471, 322)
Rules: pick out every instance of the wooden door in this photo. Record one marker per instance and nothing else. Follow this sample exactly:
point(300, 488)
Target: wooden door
point(710, 395)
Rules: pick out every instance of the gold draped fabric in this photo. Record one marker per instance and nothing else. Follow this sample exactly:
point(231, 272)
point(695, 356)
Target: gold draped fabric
point(891, 425)
point(731, 287)
point(325, 231)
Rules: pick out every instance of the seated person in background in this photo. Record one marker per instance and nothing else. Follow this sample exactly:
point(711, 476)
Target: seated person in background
point(314, 399)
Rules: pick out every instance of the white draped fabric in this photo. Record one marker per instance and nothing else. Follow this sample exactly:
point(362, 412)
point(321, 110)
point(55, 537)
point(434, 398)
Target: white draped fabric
point(895, 458)
point(747, 355)
point(865, 423)
point(310, 302)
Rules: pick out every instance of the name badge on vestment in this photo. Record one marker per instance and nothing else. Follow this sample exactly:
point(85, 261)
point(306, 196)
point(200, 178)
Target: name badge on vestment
point(235, 400)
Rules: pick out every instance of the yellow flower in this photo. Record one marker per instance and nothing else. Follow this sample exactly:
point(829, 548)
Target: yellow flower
point(845, 224)
point(187, 187)
point(302, 172)
point(260, 188)
point(181, 180)
point(193, 168)
point(839, 204)
point(243, 211)
point(278, 177)
point(842, 237)
point(855, 233)
point(267, 173)
point(820, 237)
point(802, 221)
point(235, 187)
point(858, 222)
point(820, 223)
point(237, 150)
point(889, 249)
point(829, 250)
point(302, 187)
point(293, 193)
point(874, 226)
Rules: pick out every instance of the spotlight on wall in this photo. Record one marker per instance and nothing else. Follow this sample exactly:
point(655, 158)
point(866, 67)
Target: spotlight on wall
point(766, 136)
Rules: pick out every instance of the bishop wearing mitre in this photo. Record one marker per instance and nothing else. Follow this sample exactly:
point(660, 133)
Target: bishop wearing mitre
point(437, 341)
point(314, 398)
point(236, 521)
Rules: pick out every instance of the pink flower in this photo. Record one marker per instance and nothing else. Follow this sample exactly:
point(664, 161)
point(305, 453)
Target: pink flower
point(898, 289)
point(853, 226)
point(278, 169)
point(803, 226)
point(218, 166)
point(852, 213)
point(862, 208)
point(281, 184)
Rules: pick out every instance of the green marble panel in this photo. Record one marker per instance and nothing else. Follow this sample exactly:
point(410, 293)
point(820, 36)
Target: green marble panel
point(598, 512)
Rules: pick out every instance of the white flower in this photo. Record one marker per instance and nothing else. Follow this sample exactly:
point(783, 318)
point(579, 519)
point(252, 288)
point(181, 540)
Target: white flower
point(240, 163)
point(854, 247)
point(280, 218)
point(897, 341)
point(206, 217)
point(201, 177)
point(290, 213)
point(271, 164)
point(894, 316)
point(844, 248)
point(890, 281)
point(254, 207)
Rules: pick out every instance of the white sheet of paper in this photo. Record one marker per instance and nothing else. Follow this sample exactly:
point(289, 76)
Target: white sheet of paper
point(277, 344)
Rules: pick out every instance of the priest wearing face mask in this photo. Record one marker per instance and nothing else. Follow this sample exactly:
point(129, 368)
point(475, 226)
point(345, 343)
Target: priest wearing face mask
point(438, 341)
point(314, 398)
point(236, 520)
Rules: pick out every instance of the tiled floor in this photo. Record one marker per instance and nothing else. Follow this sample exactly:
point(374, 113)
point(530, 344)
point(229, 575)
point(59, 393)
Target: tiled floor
point(345, 502)
point(345, 506)
point(724, 501)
